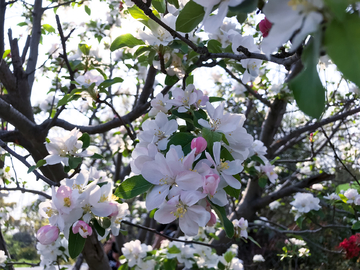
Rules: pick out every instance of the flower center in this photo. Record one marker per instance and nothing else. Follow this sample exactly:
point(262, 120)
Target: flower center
point(223, 165)
point(103, 198)
point(215, 123)
point(67, 202)
point(180, 210)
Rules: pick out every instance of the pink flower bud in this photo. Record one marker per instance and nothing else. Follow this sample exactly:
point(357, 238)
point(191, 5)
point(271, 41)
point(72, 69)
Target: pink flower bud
point(210, 184)
point(199, 143)
point(212, 220)
point(83, 228)
point(47, 234)
point(265, 26)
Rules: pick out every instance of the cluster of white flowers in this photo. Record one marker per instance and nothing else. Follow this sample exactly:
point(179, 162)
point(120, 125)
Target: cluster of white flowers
point(186, 185)
point(304, 203)
point(51, 253)
point(83, 198)
point(62, 148)
point(134, 253)
point(139, 255)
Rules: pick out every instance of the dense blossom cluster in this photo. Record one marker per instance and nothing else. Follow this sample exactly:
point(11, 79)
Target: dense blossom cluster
point(140, 256)
point(304, 203)
point(51, 253)
point(187, 183)
point(76, 202)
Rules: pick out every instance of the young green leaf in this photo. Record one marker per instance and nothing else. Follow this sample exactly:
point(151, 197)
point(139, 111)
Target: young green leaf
point(342, 39)
point(76, 244)
point(228, 226)
point(190, 16)
point(132, 187)
point(306, 86)
point(126, 40)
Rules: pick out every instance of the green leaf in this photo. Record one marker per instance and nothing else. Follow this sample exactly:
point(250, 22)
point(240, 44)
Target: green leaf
point(299, 221)
point(173, 250)
point(253, 240)
point(124, 267)
point(190, 16)
point(174, 2)
point(127, 40)
point(76, 244)
point(74, 162)
point(182, 138)
point(343, 187)
point(6, 53)
point(170, 264)
point(215, 99)
point(97, 156)
point(87, 10)
point(356, 226)
point(100, 230)
point(85, 138)
point(338, 7)
point(31, 169)
point(263, 181)
point(159, 5)
point(257, 159)
point(141, 50)
point(49, 28)
point(214, 46)
point(109, 82)
point(233, 192)
point(306, 86)
point(189, 80)
point(132, 187)
point(22, 24)
point(138, 14)
point(84, 48)
point(228, 256)
point(247, 6)
point(40, 163)
point(342, 39)
point(228, 226)
point(171, 80)
point(211, 137)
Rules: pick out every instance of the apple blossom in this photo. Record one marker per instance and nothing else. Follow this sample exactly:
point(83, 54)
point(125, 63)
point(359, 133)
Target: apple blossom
point(258, 258)
point(304, 203)
point(47, 234)
point(160, 104)
point(268, 169)
point(212, 23)
point(351, 195)
point(183, 206)
point(290, 19)
point(242, 225)
point(135, 252)
point(225, 168)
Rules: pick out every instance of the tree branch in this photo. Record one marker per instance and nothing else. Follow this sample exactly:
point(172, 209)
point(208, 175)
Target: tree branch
point(23, 190)
point(278, 143)
point(23, 160)
point(34, 44)
point(287, 191)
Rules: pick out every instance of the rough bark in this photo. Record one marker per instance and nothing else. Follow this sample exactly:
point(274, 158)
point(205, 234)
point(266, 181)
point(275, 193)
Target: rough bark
point(94, 254)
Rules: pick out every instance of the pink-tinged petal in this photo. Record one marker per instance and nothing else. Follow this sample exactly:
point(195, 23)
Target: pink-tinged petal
point(200, 144)
point(216, 151)
point(47, 234)
point(188, 226)
point(151, 173)
point(54, 159)
point(103, 209)
point(220, 198)
point(164, 214)
point(161, 119)
point(232, 181)
point(208, 156)
point(190, 197)
point(204, 123)
point(198, 214)
point(189, 180)
point(189, 160)
point(235, 167)
point(214, 22)
point(156, 196)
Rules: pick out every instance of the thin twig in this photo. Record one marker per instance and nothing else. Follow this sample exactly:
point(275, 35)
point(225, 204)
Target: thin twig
point(23, 190)
point(23, 160)
point(337, 157)
point(167, 237)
